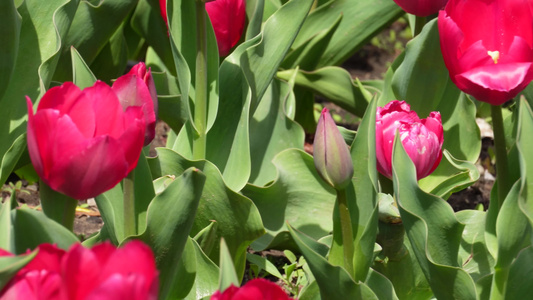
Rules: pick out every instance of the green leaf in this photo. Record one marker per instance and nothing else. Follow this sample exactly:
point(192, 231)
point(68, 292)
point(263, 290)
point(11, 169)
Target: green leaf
point(239, 222)
point(40, 41)
point(82, 75)
point(334, 281)
point(105, 17)
point(264, 264)
point(256, 19)
point(9, 31)
point(361, 21)
point(228, 276)
point(523, 143)
point(289, 199)
point(113, 58)
point(270, 120)
point(432, 229)
point(10, 265)
point(207, 237)
point(6, 235)
point(32, 228)
point(518, 284)
point(169, 220)
point(336, 85)
point(380, 285)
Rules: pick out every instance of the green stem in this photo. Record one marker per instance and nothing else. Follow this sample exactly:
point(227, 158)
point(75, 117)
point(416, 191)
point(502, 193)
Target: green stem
point(129, 204)
point(58, 207)
point(504, 185)
point(347, 232)
point(200, 100)
point(419, 24)
point(499, 281)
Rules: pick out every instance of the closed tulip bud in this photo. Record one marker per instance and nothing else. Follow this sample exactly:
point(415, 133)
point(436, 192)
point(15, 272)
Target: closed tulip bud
point(137, 88)
point(332, 158)
point(82, 142)
point(421, 138)
point(102, 272)
point(487, 46)
point(254, 289)
point(421, 8)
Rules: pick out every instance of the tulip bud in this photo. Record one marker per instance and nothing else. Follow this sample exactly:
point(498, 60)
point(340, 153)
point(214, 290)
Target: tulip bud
point(258, 288)
point(421, 8)
point(421, 139)
point(487, 46)
point(332, 158)
point(137, 88)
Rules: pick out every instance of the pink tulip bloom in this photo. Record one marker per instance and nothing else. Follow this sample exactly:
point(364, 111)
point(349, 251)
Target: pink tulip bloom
point(137, 88)
point(421, 8)
point(82, 143)
point(330, 153)
point(487, 46)
point(421, 138)
point(227, 17)
point(103, 272)
point(254, 289)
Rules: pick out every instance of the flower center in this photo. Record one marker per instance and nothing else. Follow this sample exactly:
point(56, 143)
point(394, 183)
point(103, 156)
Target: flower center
point(495, 55)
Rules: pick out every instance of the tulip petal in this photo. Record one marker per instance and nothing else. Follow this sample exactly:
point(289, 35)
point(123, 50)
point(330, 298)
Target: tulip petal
point(108, 112)
point(227, 18)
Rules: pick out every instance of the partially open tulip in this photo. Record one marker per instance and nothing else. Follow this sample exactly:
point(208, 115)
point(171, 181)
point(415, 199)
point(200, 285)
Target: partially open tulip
point(254, 289)
point(102, 272)
point(227, 17)
point(487, 46)
point(421, 138)
point(330, 152)
point(82, 142)
point(421, 8)
point(137, 88)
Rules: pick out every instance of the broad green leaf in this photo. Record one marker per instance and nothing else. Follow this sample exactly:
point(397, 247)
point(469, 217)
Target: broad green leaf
point(206, 274)
point(149, 24)
point(362, 200)
point(433, 230)
point(519, 282)
point(254, 10)
point(264, 264)
point(271, 132)
point(40, 41)
point(57, 206)
point(334, 281)
point(9, 31)
point(361, 21)
point(113, 58)
point(523, 143)
point(93, 26)
point(305, 201)
point(10, 265)
point(336, 85)
point(32, 228)
point(207, 238)
point(473, 254)
point(239, 222)
point(169, 220)
point(82, 76)
point(451, 176)
point(380, 285)
point(6, 234)
point(228, 276)
point(307, 55)
point(422, 80)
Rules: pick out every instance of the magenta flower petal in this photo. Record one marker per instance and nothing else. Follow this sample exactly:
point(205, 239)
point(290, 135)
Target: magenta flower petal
point(421, 139)
point(254, 289)
point(492, 62)
point(228, 18)
point(422, 8)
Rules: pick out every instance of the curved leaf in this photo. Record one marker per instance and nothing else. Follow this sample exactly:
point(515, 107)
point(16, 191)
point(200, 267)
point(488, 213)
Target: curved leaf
point(9, 31)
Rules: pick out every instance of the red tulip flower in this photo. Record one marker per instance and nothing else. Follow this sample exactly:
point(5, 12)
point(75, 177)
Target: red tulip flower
point(82, 143)
point(487, 46)
point(254, 289)
point(103, 272)
point(421, 138)
point(421, 8)
point(137, 88)
point(227, 17)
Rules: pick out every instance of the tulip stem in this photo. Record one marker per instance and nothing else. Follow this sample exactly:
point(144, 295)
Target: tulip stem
point(129, 204)
point(200, 100)
point(58, 207)
point(501, 154)
point(346, 230)
point(499, 283)
point(419, 24)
